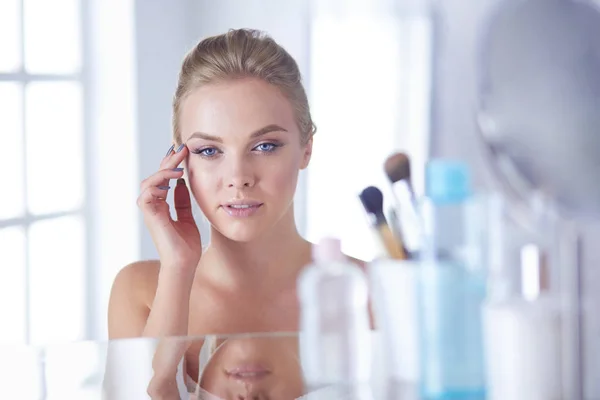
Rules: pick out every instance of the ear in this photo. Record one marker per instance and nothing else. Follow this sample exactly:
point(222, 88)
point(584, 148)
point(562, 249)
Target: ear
point(307, 153)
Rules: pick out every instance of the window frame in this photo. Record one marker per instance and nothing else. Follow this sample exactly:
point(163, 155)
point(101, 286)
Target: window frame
point(26, 220)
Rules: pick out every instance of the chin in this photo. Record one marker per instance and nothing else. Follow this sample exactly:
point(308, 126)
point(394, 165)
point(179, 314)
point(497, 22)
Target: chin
point(241, 235)
point(241, 231)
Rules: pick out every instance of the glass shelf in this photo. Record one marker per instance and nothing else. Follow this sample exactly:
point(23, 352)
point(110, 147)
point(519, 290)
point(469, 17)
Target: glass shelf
point(216, 367)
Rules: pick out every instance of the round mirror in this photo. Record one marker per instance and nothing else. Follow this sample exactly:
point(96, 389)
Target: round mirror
point(539, 101)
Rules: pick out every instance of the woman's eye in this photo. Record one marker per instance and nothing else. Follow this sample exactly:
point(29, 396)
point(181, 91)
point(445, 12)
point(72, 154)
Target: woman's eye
point(208, 152)
point(211, 152)
point(266, 147)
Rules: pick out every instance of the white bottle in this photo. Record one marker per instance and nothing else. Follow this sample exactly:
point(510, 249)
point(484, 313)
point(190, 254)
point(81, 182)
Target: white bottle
point(335, 337)
point(523, 338)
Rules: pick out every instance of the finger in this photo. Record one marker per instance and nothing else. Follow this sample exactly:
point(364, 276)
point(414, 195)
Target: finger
point(165, 182)
point(153, 199)
point(161, 178)
point(170, 151)
point(183, 203)
point(174, 157)
point(153, 194)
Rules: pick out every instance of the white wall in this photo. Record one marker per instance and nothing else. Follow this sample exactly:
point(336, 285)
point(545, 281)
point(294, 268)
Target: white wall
point(114, 234)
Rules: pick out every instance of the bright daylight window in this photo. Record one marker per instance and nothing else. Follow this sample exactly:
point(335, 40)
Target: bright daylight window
point(42, 215)
point(369, 88)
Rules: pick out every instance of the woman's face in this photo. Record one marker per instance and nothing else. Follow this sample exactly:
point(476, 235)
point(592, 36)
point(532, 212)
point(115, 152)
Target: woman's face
point(245, 155)
point(255, 368)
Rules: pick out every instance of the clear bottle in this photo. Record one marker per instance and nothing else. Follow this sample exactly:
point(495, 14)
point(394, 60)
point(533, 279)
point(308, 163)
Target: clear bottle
point(335, 334)
point(523, 336)
point(451, 286)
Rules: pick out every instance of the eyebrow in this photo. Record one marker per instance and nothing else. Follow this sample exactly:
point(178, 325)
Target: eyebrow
point(255, 134)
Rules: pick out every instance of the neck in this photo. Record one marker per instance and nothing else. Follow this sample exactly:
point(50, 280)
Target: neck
point(271, 260)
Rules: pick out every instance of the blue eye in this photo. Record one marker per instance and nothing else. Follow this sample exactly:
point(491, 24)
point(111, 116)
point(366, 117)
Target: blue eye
point(266, 147)
point(207, 152)
point(213, 152)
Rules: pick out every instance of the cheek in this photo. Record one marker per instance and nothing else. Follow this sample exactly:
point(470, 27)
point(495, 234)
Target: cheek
point(202, 180)
point(281, 176)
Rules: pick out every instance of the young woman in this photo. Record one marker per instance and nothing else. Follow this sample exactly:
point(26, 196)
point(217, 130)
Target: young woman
point(242, 131)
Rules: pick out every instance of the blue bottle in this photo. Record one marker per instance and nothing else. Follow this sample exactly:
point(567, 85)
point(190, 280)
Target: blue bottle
point(451, 287)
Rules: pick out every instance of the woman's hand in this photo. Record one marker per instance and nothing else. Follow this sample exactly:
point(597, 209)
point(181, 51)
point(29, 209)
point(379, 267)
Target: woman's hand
point(178, 242)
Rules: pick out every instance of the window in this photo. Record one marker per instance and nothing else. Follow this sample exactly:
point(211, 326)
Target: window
point(369, 84)
point(43, 217)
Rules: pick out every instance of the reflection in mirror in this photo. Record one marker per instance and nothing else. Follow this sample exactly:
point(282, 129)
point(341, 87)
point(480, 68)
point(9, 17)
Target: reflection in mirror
point(244, 366)
point(229, 367)
point(250, 367)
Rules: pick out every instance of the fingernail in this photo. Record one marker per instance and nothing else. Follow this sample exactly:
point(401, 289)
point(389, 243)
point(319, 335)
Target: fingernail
point(164, 187)
point(178, 169)
point(170, 150)
point(180, 147)
point(181, 181)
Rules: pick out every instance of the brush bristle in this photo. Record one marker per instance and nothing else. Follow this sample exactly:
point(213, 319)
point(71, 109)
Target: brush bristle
point(372, 200)
point(397, 167)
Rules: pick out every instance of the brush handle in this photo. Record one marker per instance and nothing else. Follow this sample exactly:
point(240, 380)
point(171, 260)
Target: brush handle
point(394, 222)
point(390, 243)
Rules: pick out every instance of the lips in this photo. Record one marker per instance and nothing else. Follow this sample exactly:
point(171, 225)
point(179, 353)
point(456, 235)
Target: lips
point(242, 208)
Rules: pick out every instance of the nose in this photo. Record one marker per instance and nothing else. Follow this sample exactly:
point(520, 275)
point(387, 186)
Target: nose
point(240, 182)
point(250, 392)
point(242, 175)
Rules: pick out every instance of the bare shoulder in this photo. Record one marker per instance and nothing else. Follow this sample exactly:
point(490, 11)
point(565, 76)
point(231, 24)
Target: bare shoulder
point(139, 279)
point(131, 296)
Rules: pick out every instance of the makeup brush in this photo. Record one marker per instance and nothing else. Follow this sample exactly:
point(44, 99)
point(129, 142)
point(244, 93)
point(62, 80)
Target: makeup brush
point(397, 169)
point(372, 200)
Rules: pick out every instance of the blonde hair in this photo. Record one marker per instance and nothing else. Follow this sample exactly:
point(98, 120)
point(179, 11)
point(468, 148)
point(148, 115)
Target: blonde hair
point(243, 53)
